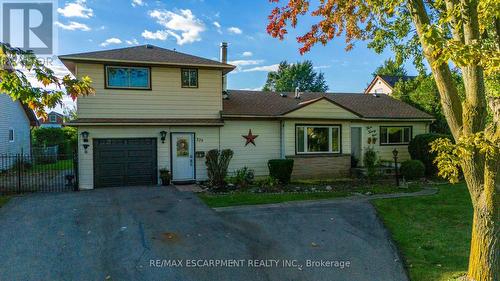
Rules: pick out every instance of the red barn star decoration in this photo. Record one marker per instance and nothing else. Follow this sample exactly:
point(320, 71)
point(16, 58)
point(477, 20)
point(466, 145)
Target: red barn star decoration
point(250, 138)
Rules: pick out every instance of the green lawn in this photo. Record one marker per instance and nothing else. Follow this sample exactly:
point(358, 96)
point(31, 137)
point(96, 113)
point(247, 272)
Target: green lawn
point(432, 232)
point(3, 200)
point(250, 198)
point(58, 166)
point(247, 198)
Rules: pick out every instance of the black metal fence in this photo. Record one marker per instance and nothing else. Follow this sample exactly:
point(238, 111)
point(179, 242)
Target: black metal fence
point(38, 173)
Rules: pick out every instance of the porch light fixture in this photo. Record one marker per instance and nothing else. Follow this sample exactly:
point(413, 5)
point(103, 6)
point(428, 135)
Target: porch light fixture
point(163, 136)
point(85, 136)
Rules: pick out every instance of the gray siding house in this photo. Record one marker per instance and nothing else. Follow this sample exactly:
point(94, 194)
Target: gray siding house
point(16, 121)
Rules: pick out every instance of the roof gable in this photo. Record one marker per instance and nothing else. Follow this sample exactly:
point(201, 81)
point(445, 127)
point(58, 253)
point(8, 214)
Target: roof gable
point(320, 108)
point(389, 80)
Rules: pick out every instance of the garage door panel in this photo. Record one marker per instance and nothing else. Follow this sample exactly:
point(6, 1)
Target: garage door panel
point(125, 162)
point(142, 168)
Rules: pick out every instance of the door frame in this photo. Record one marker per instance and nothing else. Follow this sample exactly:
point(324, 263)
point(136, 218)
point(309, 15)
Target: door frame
point(193, 143)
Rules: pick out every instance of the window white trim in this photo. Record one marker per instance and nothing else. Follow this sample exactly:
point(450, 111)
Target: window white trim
point(53, 118)
point(330, 138)
point(12, 135)
point(191, 72)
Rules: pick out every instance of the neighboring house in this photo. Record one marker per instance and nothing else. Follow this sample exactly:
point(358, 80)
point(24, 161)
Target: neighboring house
point(16, 120)
point(384, 84)
point(53, 120)
point(155, 108)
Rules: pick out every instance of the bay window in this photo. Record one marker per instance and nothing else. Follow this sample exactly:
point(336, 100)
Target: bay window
point(317, 139)
point(393, 135)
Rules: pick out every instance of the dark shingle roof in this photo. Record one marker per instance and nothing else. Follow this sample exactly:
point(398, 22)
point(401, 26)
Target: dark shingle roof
point(257, 103)
point(148, 54)
point(392, 80)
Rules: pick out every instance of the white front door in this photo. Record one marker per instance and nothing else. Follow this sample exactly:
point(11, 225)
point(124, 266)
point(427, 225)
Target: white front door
point(182, 156)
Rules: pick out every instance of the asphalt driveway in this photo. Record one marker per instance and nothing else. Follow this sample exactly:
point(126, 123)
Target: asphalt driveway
point(160, 233)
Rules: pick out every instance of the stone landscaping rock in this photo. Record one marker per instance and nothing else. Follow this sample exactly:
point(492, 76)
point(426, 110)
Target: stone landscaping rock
point(328, 187)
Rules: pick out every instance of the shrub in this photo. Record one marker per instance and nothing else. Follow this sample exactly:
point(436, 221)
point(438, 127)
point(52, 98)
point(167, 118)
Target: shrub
point(281, 169)
point(419, 149)
point(269, 184)
point(370, 161)
point(242, 177)
point(217, 163)
point(412, 169)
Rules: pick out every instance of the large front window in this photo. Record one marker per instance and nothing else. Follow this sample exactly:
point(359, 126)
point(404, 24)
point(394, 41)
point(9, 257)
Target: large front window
point(395, 135)
point(121, 77)
point(318, 139)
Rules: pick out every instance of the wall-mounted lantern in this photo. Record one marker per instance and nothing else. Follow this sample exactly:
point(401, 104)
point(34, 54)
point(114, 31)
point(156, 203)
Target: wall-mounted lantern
point(163, 136)
point(85, 136)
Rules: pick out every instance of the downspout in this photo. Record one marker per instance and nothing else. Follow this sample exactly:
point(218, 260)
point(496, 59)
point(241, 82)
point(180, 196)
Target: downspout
point(282, 140)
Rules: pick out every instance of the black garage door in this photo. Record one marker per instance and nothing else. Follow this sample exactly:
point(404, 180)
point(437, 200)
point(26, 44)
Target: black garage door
point(124, 162)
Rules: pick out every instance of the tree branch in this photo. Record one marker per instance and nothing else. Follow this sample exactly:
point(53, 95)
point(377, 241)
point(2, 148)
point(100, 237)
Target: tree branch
point(456, 29)
point(473, 73)
point(450, 99)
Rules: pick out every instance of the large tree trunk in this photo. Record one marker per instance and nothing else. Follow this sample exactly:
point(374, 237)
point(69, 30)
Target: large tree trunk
point(484, 258)
point(481, 173)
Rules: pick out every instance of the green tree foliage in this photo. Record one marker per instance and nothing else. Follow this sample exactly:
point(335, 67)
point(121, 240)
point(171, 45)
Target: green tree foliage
point(446, 33)
point(66, 138)
point(14, 62)
point(290, 76)
point(420, 149)
point(422, 93)
point(390, 67)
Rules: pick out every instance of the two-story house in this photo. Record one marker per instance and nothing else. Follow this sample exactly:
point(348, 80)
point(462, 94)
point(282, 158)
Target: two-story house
point(156, 108)
point(384, 84)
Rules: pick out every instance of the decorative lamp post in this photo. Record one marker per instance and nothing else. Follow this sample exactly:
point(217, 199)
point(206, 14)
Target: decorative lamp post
point(395, 155)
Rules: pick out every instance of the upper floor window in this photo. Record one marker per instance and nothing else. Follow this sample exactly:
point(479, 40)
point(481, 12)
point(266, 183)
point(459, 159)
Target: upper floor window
point(189, 78)
point(123, 77)
point(11, 135)
point(318, 139)
point(53, 118)
point(395, 135)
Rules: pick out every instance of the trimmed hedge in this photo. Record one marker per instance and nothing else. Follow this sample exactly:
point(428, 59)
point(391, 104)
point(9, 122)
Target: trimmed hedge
point(412, 169)
point(419, 149)
point(281, 169)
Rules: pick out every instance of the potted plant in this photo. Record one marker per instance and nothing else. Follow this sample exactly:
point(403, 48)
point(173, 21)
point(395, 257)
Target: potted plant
point(165, 177)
